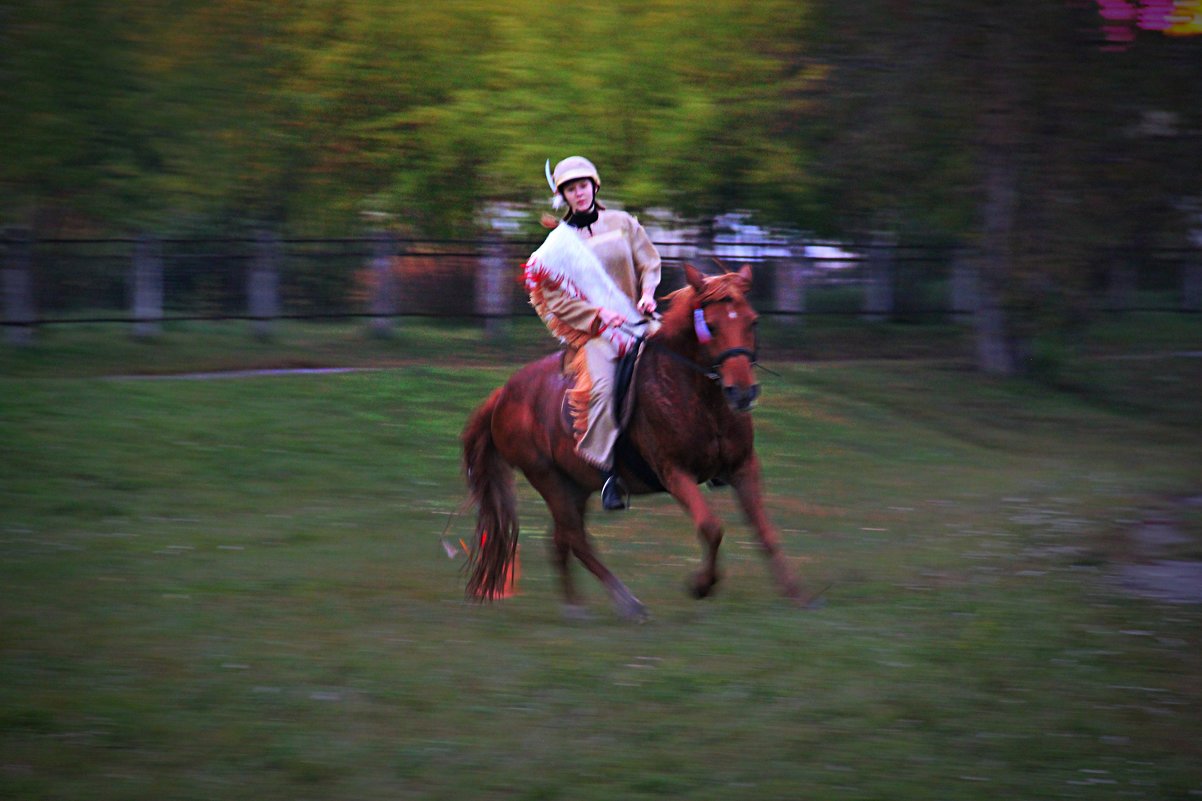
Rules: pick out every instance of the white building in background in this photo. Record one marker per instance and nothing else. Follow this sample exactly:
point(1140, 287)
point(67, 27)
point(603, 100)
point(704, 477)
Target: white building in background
point(736, 238)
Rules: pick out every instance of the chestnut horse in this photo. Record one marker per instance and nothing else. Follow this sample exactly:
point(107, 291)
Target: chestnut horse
point(694, 387)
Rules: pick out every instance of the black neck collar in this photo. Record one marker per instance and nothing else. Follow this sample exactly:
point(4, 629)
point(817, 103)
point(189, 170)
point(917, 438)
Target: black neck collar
point(583, 219)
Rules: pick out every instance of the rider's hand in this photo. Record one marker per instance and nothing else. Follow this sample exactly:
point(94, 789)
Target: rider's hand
point(611, 318)
point(646, 303)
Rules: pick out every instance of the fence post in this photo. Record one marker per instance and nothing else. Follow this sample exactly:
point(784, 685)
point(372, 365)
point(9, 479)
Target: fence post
point(494, 293)
point(384, 290)
point(965, 286)
point(1123, 280)
point(878, 292)
point(147, 283)
point(790, 286)
point(263, 284)
point(1191, 283)
point(19, 314)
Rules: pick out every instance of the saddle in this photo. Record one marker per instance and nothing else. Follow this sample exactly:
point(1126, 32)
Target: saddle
point(623, 383)
point(626, 455)
point(624, 395)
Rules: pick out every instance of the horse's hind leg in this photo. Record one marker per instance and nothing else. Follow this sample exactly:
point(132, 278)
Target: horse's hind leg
point(623, 599)
point(567, 508)
point(567, 502)
point(565, 520)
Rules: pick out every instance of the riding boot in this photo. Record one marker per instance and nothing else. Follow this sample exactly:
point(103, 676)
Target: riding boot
point(614, 494)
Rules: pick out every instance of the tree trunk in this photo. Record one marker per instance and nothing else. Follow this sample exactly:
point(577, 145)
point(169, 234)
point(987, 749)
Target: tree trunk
point(494, 291)
point(19, 311)
point(263, 284)
point(147, 287)
point(995, 349)
point(789, 287)
point(965, 295)
point(1191, 284)
point(879, 278)
point(383, 304)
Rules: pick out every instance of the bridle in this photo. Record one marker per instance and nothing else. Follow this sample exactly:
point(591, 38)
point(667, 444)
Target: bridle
point(704, 336)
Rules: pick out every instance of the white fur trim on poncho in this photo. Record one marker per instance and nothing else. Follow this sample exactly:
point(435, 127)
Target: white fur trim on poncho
point(564, 261)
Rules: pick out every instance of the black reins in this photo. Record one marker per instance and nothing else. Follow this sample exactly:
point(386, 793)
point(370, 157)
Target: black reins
point(729, 353)
point(712, 372)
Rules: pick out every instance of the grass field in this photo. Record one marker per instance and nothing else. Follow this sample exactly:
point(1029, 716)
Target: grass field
point(233, 588)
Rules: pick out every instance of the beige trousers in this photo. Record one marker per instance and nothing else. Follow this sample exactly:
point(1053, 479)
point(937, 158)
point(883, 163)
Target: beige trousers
point(592, 402)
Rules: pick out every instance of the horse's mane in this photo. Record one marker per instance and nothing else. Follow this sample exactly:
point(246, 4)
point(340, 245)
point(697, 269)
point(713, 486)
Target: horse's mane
point(679, 316)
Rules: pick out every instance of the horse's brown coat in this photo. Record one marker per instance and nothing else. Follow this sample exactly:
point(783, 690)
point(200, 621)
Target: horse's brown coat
point(688, 427)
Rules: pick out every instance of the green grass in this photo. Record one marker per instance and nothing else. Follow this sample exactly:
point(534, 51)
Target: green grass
point(234, 588)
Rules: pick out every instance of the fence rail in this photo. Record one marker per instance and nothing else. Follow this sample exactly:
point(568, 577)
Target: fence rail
point(147, 281)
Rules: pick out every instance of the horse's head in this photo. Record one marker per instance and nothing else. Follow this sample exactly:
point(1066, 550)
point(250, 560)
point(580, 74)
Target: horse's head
point(724, 323)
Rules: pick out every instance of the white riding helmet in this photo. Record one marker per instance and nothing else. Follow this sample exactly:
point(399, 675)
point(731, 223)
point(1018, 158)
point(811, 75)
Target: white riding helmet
point(574, 167)
point(570, 169)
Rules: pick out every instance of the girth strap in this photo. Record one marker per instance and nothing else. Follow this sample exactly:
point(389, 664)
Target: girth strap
point(625, 453)
point(628, 456)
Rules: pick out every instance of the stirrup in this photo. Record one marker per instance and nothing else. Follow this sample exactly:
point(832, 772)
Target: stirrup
point(614, 496)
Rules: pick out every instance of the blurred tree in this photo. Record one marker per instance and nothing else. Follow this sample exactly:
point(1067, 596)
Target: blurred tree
point(1045, 134)
point(77, 144)
point(228, 150)
point(312, 114)
point(1009, 127)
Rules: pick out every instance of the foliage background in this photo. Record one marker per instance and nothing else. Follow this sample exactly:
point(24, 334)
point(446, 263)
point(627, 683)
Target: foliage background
point(829, 117)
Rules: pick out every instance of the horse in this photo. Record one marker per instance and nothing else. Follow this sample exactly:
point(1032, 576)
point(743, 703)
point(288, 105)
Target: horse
point(694, 389)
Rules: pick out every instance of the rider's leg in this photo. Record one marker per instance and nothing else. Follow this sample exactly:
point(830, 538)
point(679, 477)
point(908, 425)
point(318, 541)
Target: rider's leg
point(596, 445)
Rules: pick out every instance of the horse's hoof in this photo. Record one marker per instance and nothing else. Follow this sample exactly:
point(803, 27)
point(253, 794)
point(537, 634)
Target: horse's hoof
point(701, 587)
point(632, 609)
point(625, 603)
point(576, 612)
point(811, 602)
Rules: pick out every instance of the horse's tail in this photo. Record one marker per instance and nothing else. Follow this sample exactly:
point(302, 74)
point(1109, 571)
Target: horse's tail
point(490, 486)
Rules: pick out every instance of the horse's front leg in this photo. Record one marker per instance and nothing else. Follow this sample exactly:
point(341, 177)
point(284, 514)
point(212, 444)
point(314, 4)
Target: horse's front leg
point(684, 489)
point(747, 484)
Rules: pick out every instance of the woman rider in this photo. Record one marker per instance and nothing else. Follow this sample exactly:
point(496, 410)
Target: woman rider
point(593, 283)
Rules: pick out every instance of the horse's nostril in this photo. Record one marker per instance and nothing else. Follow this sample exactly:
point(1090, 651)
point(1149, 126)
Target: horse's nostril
point(741, 399)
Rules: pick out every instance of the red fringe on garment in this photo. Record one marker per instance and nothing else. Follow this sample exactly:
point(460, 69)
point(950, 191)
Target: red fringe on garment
point(537, 278)
point(578, 395)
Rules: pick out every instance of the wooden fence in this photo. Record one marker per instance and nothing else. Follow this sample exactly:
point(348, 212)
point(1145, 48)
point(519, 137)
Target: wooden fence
point(144, 282)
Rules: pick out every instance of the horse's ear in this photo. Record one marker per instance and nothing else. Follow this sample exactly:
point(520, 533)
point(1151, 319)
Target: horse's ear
point(694, 277)
point(744, 276)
